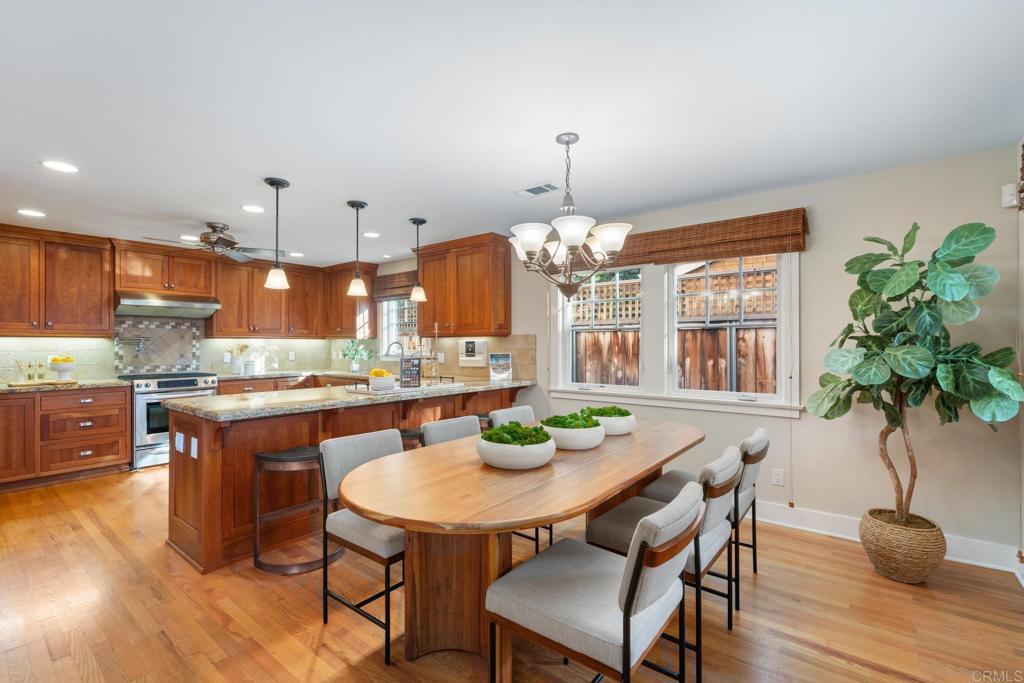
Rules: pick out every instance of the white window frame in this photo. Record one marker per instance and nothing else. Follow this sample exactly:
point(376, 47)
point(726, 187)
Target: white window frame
point(382, 332)
point(658, 380)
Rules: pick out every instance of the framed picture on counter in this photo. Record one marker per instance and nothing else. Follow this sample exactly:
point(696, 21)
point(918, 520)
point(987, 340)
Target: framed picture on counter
point(500, 365)
point(409, 372)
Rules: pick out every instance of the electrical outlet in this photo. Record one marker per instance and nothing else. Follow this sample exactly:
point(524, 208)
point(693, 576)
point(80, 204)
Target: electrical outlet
point(291, 355)
point(440, 356)
point(227, 357)
point(334, 355)
point(778, 477)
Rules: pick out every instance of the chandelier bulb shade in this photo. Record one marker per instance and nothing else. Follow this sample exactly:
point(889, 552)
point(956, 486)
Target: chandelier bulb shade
point(418, 294)
point(357, 287)
point(276, 277)
point(611, 236)
point(531, 236)
point(573, 229)
point(517, 245)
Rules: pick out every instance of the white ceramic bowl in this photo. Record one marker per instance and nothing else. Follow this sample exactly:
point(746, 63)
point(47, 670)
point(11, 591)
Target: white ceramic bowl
point(63, 370)
point(510, 457)
point(576, 439)
point(382, 383)
point(615, 426)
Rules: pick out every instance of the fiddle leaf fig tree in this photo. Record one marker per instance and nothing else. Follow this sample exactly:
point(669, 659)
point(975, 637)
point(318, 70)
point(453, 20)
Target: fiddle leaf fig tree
point(897, 352)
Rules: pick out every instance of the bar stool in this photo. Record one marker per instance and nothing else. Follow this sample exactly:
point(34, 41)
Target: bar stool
point(411, 438)
point(298, 459)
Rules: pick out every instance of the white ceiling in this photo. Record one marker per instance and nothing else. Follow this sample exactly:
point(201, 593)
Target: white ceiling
point(445, 109)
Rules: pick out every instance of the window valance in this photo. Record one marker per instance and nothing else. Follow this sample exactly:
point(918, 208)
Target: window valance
point(394, 285)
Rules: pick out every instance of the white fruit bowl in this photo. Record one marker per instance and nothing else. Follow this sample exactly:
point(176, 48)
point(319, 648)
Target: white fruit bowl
point(382, 383)
point(616, 426)
point(63, 370)
point(576, 439)
point(511, 457)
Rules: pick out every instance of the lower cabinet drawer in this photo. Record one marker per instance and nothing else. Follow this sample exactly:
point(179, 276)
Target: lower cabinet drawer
point(241, 386)
point(83, 423)
point(84, 453)
point(80, 400)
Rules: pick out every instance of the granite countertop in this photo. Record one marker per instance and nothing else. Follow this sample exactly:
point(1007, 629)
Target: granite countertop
point(293, 401)
point(82, 384)
point(278, 374)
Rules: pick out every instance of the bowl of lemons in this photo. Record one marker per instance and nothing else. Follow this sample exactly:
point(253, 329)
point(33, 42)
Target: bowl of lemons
point(63, 366)
point(381, 380)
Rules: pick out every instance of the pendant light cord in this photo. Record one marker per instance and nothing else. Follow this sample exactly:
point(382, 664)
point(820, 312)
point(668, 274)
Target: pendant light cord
point(277, 227)
point(357, 241)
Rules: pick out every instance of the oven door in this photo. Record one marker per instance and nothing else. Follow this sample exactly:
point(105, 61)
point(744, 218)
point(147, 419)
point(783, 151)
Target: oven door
point(151, 417)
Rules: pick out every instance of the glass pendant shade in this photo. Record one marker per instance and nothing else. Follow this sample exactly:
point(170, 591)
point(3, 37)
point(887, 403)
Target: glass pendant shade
point(598, 253)
point(573, 229)
point(531, 235)
point(517, 245)
point(418, 294)
point(558, 252)
point(612, 236)
point(276, 279)
point(357, 287)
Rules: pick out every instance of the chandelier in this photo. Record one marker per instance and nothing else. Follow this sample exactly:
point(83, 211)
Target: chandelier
point(580, 249)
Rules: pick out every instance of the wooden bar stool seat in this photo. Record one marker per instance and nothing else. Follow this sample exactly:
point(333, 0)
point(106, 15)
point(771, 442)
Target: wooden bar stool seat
point(298, 459)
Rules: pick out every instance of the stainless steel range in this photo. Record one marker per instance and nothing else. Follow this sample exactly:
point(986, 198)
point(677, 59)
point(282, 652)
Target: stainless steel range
point(150, 437)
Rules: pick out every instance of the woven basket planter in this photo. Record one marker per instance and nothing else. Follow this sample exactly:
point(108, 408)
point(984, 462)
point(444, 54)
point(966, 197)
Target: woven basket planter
point(902, 553)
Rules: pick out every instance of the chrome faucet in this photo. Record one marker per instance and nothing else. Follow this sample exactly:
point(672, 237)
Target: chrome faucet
point(401, 349)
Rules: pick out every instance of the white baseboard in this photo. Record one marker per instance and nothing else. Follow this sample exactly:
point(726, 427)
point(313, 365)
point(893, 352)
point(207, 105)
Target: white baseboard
point(958, 548)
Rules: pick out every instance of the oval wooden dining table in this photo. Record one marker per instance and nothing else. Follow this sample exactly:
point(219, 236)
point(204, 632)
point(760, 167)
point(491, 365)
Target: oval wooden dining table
point(459, 515)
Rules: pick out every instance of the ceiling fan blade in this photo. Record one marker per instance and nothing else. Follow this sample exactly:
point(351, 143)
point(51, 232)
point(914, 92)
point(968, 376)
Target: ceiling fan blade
point(236, 255)
point(178, 242)
point(266, 253)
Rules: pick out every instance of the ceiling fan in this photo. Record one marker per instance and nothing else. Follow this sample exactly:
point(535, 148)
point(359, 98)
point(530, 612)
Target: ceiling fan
point(218, 241)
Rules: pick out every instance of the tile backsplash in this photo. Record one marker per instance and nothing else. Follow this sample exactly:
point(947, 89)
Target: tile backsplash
point(94, 357)
point(523, 348)
point(156, 344)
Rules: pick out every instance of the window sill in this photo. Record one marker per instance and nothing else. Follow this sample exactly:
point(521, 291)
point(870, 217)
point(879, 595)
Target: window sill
point(715, 405)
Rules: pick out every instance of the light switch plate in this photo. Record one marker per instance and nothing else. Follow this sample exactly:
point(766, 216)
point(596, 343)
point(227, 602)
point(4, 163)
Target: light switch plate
point(179, 442)
point(440, 356)
point(227, 357)
point(194, 448)
point(291, 355)
point(778, 477)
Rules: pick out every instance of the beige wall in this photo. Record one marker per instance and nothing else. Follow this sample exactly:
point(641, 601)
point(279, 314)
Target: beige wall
point(970, 477)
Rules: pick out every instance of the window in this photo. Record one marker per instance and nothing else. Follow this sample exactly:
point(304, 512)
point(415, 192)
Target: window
point(604, 322)
point(726, 325)
point(397, 324)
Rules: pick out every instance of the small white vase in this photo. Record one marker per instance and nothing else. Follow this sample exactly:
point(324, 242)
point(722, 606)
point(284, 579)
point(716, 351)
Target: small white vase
point(355, 367)
point(616, 426)
point(511, 457)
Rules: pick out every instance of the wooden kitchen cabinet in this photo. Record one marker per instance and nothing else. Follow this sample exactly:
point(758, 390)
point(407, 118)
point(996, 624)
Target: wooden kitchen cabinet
point(248, 309)
point(18, 438)
point(349, 316)
point(469, 284)
point(234, 291)
point(20, 283)
point(304, 303)
point(142, 267)
point(229, 387)
point(268, 306)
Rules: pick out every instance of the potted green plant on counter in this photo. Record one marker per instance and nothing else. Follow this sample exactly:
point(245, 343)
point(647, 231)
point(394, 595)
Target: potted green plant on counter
point(512, 446)
point(897, 354)
point(356, 352)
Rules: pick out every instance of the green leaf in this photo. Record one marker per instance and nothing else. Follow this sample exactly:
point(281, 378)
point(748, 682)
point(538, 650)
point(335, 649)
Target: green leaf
point(971, 381)
point(862, 303)
point(844, 334)
point(887, 323)
point(843, 360)
point(876, 279)
point(945, 375)
point(909, 361)
point(924, 319)
point(885, 243)
point(966, 240)
point(1007, 383)
point(840, 407)
point(946, 282)
point(910, 239)
point(995, 408)
point(871, 370)
point(864, 262)
point(965, 351)
point(822, 400)
point(980, 279)
point(892, 415)
point(917, 392)
point(958, 312)
point(902, 280)
point(947, 411)
point(1000, 358)
point(828, 379)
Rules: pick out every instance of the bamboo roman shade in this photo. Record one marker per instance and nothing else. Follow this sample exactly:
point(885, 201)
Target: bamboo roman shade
point(779, 232)
point(394, 285)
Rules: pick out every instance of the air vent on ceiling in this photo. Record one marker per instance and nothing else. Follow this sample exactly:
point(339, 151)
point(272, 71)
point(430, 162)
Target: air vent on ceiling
point(543, 188)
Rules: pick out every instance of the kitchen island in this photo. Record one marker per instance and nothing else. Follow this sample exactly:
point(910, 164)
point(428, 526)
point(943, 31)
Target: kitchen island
point(213, 440)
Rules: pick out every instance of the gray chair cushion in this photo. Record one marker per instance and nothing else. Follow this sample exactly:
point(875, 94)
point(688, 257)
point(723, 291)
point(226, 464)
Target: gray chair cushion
point(345, 453)
point(521, 414)
point(440, 431)
point(755, 443)
point(380, 539)
point(710, 543)
point(568, 594)
point(667, 486)
point(716, 472)
point(745, 500)
point(614, 529)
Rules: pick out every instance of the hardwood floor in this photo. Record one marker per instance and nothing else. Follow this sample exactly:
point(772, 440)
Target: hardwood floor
point(89, 591)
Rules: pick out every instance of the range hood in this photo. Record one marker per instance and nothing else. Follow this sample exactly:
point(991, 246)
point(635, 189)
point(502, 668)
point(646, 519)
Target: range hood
point(165, 305)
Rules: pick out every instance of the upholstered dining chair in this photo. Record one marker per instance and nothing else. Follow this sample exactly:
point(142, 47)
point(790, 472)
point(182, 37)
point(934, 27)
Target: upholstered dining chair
point(450, 429)
point(598, 608)
point(378, 542)
point(522, 415)
point(718, 479)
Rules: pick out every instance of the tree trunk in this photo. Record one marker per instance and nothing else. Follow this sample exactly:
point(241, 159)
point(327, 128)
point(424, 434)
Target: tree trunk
point(910, 456)
point(897, 485)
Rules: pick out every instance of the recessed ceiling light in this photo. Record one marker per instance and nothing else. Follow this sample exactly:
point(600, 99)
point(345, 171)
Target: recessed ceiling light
point(252, 208)
point(188, 238)
point(62, 166)
point(386, 256)
point(296, 254)
point(371, 235)
point(31, 212)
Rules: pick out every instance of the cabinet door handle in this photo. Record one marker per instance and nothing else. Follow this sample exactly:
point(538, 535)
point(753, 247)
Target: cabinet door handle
point(49, 323)
point(86, 400)
point(291, 329)
point(255, 328)
point(171, 285)
point(35, 323)
point(246, 388)
point(85, 425)
point(84, 454)
point(165, 285)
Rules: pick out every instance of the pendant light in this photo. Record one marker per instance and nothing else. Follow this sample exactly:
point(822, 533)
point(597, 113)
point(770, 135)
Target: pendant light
point(357, 287)
point(417, 294)
point(276, 279)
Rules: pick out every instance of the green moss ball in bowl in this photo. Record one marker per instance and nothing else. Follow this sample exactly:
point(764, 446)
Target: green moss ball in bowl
point(515, 447)
point(574, 431)
point(616, 420)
